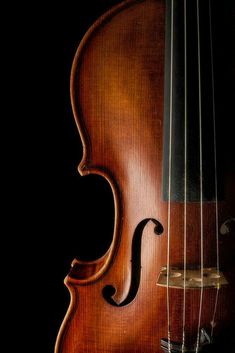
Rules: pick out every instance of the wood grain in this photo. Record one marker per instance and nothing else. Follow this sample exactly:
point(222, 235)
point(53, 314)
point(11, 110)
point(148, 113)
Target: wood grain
point(117, 88)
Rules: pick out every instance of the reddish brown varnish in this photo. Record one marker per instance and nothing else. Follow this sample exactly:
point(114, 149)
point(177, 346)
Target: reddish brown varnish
point(117, 97)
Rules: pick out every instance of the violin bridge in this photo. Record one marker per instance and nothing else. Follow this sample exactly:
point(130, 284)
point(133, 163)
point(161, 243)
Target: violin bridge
point(211, 278)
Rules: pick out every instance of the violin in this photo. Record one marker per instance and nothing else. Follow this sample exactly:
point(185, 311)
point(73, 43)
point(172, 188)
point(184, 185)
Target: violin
point(144, 93)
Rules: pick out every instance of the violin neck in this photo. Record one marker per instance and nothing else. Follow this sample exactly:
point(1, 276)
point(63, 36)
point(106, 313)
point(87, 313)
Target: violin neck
point(189, 110)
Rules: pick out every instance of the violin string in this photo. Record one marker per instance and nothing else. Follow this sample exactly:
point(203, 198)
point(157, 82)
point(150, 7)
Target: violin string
point(185, 171)
point(169, 184)
point(201, 180)
point(216, 181)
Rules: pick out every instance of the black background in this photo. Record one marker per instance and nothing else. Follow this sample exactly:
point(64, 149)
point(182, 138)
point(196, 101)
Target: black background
point(53, 214)
point(81, 220)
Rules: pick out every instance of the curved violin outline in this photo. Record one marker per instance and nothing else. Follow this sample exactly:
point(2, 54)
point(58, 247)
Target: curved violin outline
point(94, 269)
point(109, 290)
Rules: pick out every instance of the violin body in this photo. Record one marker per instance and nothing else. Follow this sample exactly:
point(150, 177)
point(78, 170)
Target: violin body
point(117, 90)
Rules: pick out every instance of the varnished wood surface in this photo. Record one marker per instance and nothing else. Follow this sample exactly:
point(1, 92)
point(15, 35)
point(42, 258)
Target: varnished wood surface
point(117, 96)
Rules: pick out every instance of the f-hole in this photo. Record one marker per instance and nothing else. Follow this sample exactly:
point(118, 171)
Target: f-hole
point(109, 290)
